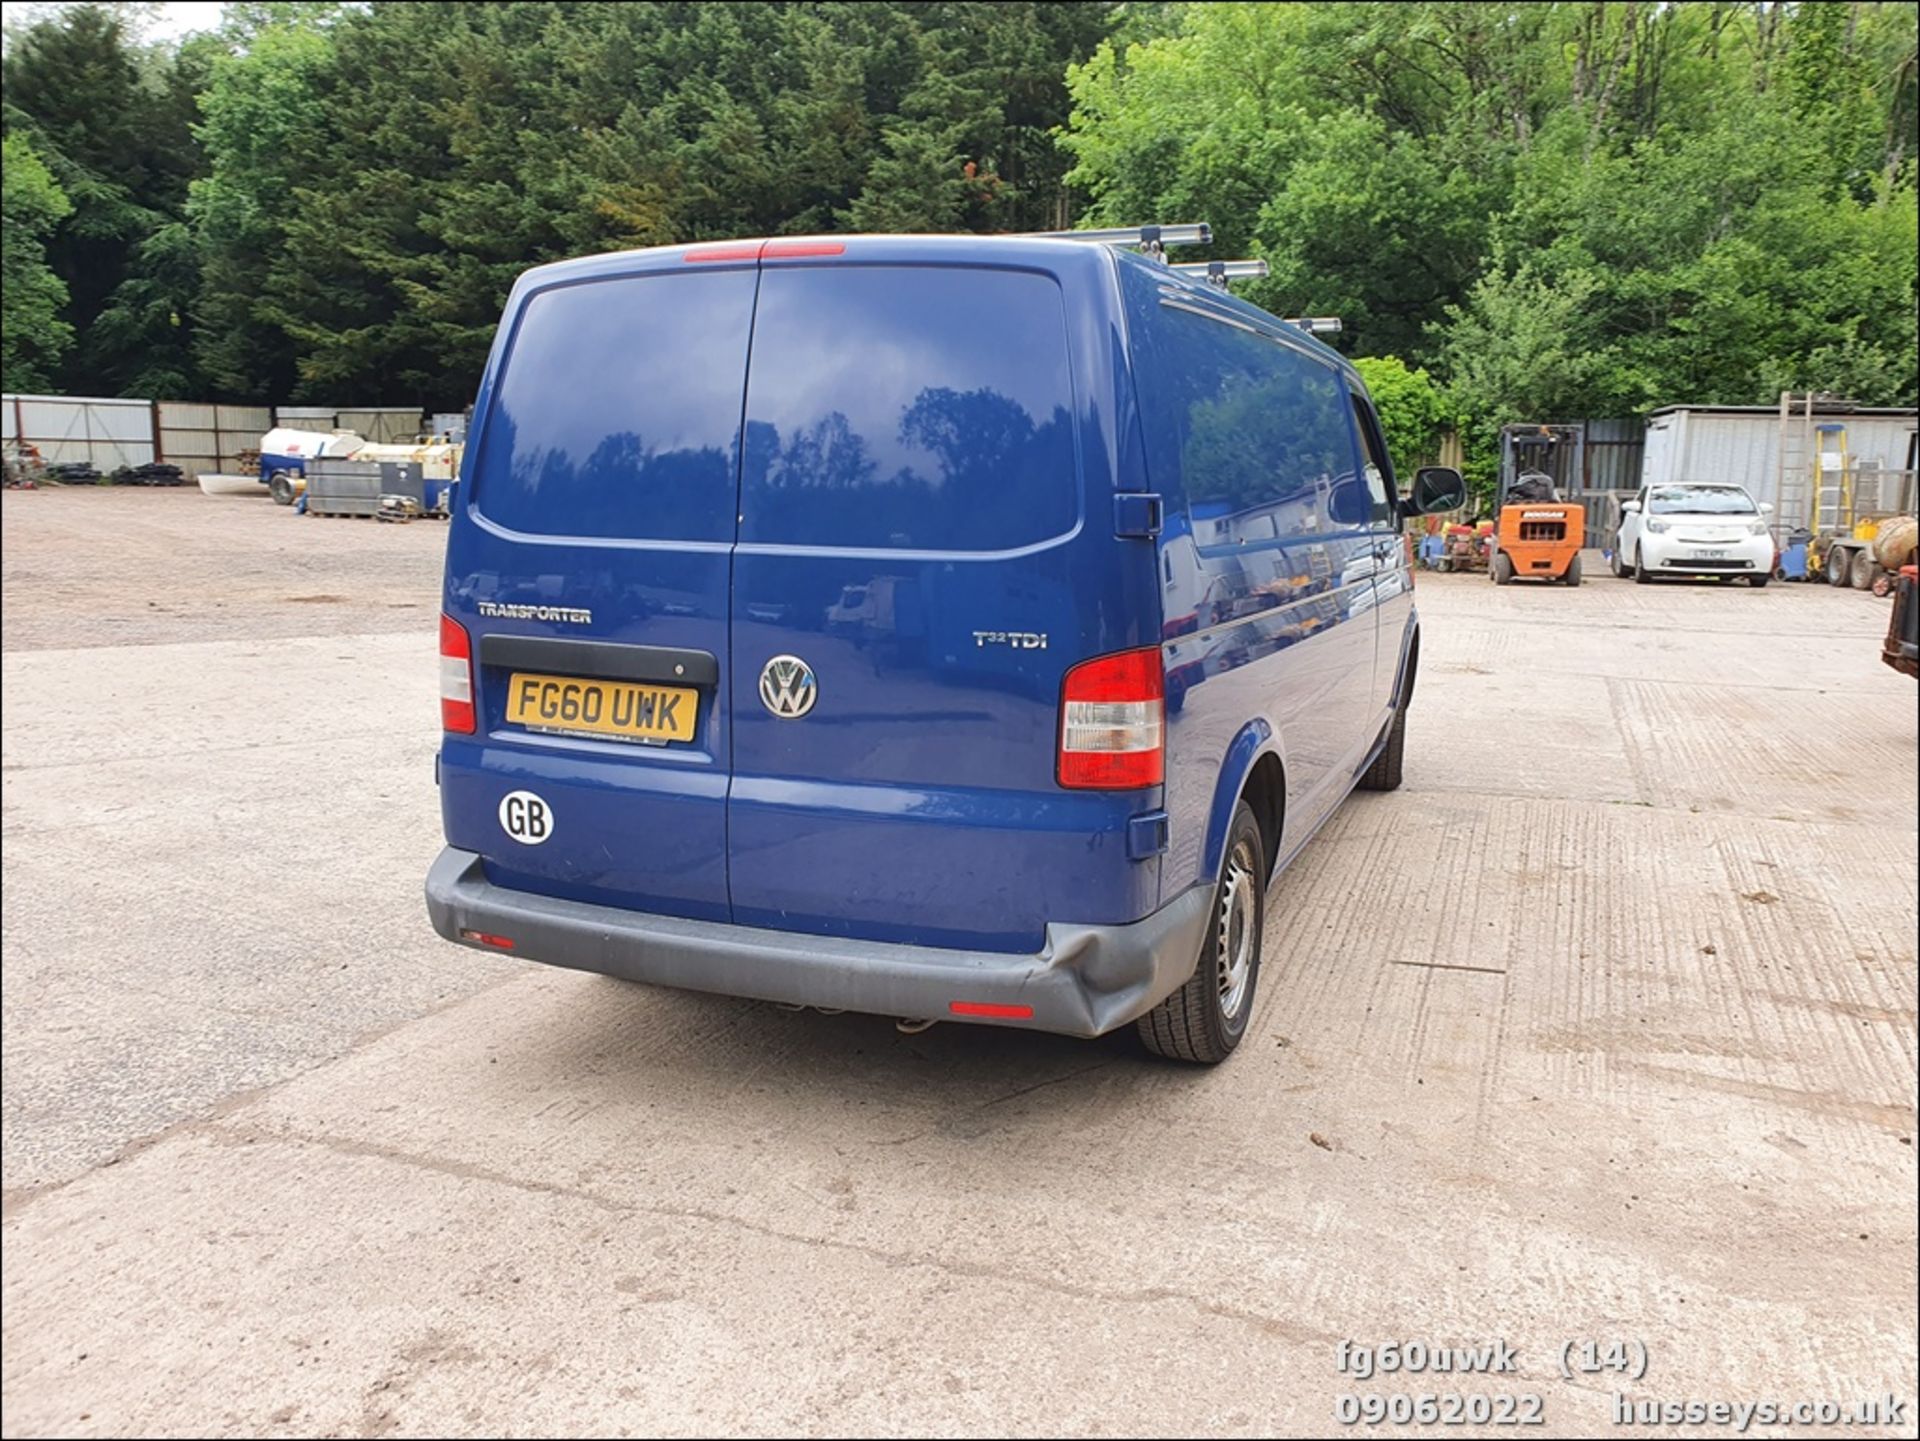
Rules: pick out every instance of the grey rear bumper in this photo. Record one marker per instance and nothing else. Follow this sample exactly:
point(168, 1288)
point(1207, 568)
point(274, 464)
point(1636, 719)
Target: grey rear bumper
point(1085, 981)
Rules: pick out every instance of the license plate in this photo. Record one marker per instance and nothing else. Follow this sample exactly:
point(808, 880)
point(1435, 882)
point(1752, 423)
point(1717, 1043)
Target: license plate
point(1709, 555)
point(605, 709)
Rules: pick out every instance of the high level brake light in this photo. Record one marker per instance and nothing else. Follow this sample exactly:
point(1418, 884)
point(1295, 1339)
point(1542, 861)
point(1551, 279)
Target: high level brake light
point(1113, 722)
point(456, 677)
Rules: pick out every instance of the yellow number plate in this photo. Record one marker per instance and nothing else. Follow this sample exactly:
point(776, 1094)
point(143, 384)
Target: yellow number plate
point(612, 709)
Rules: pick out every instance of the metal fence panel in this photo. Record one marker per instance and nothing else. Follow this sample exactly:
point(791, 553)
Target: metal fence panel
point(255, 418)
point(209, 438)
point(107, 432)
point(1603, 514)
point(187, 415)
point(383, 424)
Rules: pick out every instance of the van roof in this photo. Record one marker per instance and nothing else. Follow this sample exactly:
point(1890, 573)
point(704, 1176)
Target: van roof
point(1034, 251)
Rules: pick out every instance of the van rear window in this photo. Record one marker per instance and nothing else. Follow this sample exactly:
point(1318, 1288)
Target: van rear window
point(914, 408)
point(617, 412)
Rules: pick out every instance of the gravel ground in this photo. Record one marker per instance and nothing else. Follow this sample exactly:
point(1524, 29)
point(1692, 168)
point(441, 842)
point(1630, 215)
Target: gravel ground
point(91, 566)
point(1603, 1027)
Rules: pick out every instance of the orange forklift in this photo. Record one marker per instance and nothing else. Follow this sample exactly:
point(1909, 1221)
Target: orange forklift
point(1537, 533)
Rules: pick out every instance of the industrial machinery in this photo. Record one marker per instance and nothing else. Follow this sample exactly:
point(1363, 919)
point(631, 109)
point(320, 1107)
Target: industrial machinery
point(1859, 513)
point(1465, 547)
point(286, 453)
point(1901, 649)
point(24, 467)
point(291, 461)
point(1537, 534)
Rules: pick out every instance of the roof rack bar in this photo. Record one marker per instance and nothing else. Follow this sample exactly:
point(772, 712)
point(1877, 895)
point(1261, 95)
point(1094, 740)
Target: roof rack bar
point(1317, 324)
point(1219, 272)
point(1151, 239)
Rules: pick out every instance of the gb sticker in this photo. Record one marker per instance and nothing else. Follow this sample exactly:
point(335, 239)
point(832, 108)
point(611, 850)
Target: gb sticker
point(525, 817)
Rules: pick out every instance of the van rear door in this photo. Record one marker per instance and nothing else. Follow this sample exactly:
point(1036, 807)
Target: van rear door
point(588, 562)
point(921, 558)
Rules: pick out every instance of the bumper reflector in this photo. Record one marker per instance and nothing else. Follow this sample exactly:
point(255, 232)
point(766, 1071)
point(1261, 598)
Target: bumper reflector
point(486, 938)
point(984, 1008)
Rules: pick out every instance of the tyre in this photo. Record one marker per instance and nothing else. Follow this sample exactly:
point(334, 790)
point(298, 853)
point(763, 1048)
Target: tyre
point(1572, 577)
point(1618, 563)
point(1640, 576)
point(1839, 566)
point(1384, 773)
point(1204, 1020)
point(1502, 569)
point(1758, 582)
point(280, 488)
point(1864, 566)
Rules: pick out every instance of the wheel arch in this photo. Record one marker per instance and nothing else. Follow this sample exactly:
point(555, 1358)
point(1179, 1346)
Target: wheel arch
point(1255, 770)
point(1409, 665)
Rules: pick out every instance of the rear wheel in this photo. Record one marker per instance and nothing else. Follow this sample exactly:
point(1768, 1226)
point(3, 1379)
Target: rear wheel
point(280, 488)
point(1572, 576)
point(1640, 576)
point(1204, 1020)
point(1863, 569)
point(1385, 772)
point(1502, 569)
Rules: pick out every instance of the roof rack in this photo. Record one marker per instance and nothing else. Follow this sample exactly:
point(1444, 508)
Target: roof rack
point(1219, 272)
point(1149, 239)
point(1317, 324)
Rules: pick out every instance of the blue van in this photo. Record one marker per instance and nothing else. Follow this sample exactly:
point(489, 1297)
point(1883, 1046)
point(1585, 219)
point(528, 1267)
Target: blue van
point(953, 628)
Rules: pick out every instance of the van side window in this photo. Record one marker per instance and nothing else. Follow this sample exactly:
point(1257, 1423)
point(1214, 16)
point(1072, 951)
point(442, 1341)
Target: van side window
point(1375, 466)
point(1257, 431)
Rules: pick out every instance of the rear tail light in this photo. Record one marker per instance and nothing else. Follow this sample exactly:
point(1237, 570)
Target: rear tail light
point(456, 677)
point(1113, 722)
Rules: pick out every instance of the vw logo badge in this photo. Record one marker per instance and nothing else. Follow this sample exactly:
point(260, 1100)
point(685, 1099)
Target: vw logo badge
point(787, 688)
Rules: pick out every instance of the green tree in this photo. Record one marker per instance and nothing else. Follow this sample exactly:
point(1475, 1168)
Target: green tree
point(112, 122)
point(1413, 411)
point(254, 106)
point(1582, 209)
point(32, 335)
point(368, 231)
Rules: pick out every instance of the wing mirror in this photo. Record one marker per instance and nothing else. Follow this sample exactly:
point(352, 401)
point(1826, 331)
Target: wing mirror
point(1766, 507)
point(1435, 488)
point(1630, 507)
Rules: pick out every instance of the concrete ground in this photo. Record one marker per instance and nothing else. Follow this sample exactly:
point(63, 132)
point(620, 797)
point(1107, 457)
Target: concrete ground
point(1603, 1027)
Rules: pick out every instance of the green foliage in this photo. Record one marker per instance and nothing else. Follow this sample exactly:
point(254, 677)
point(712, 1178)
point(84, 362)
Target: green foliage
point(112, 122)
point(377, 178)
point(1551, 210)
point(1413, 412)
point(253, 111)
point(1564, 211)
point(32, 335)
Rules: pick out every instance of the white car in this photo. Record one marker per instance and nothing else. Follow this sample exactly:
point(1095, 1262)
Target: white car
point(1687, 529)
